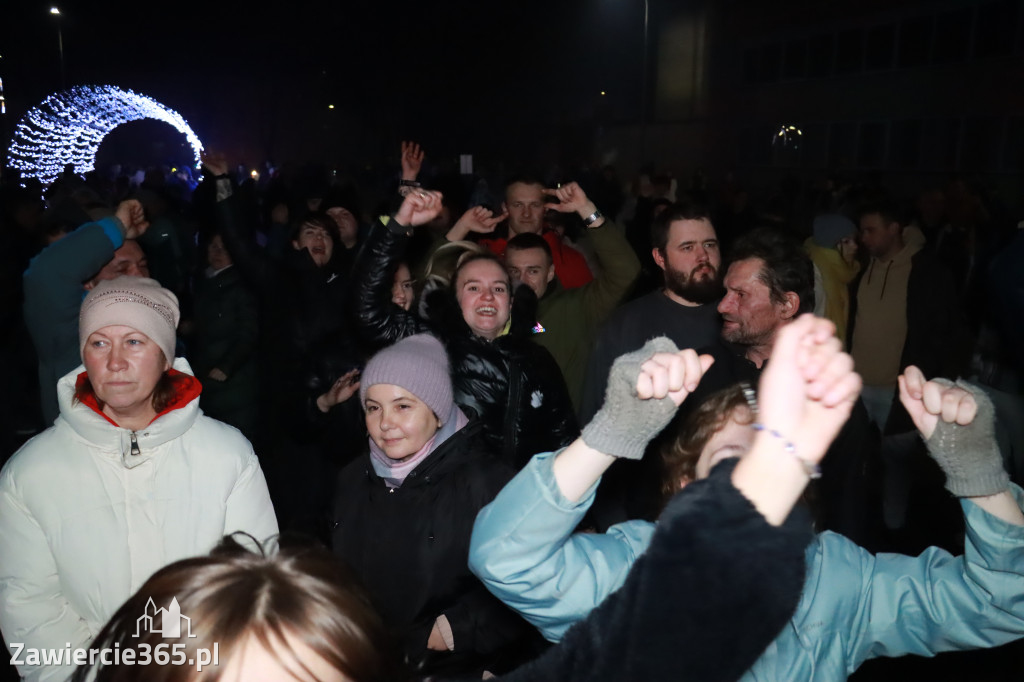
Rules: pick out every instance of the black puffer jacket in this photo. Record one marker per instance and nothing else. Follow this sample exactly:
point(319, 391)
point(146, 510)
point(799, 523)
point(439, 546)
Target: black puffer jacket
point(511, 384)
point(410, 547)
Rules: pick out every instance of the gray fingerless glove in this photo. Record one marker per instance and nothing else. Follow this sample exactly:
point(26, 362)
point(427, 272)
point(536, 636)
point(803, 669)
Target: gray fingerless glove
point(969, 454)
point(625, 423)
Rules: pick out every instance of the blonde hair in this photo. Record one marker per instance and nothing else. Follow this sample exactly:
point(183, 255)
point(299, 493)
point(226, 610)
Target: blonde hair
point(448, 259)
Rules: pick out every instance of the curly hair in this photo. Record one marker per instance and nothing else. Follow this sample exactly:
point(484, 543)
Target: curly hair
point(680, 454)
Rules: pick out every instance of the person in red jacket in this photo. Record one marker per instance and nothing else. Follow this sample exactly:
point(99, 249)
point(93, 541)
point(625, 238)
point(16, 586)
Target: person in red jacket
point(524, 207)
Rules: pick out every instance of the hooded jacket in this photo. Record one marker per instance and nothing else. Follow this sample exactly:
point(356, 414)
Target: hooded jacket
point(511, 384)
point(836, 274)
point(937, 340)
point(84, 521)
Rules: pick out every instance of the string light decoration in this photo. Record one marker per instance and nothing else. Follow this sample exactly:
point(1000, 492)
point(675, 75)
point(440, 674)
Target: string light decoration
point(68, 127)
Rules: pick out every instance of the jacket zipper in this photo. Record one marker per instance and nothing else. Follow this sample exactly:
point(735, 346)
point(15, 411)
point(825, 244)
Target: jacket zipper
point(135, 446)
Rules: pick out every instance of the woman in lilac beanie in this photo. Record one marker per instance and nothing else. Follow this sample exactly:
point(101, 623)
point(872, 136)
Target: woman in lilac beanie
point(404, 513)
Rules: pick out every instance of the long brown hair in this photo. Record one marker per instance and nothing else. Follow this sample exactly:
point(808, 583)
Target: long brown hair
point(233, 594)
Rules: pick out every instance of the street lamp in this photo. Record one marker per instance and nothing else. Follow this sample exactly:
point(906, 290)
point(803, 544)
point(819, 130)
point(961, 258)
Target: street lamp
point(643, 89)
point(60, 45)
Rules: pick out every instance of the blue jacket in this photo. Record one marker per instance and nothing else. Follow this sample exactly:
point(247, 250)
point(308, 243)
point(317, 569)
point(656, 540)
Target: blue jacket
point(854, 606)
point(53, 297)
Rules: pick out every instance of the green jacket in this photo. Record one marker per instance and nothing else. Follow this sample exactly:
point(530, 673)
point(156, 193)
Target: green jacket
point(570, 317)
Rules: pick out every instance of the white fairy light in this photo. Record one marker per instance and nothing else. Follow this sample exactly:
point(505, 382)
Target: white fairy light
point(68, 127)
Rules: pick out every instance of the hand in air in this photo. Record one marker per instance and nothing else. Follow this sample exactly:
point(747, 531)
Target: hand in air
point(479, 219)
point(957, 422)
point(133, 217)
point(808, 387)
point(412, 160)
point(644, 389)
point(929, 401)
point(419, 207)
point(671, 375)
point(214, 162)
point(571, 198)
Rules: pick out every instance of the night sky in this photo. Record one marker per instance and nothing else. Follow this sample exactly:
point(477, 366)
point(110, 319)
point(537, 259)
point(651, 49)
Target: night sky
point(494, 79)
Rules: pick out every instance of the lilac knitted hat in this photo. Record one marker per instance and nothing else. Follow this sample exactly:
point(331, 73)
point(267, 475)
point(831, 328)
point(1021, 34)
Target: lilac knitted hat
point(136, 302)
point(418, 364)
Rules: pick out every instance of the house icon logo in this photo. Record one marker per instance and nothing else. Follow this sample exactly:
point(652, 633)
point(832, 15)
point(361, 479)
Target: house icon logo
point(164, 622)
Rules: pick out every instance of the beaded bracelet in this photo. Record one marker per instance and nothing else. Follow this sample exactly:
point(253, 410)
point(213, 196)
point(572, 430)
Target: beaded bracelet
point(811, 468)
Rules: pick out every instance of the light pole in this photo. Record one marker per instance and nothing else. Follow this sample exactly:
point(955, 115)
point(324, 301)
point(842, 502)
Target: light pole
point(643, 90)
point(60, 45)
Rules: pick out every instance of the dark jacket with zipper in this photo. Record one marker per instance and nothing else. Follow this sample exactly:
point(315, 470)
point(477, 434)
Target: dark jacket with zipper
point(511, 384)
point(410, 547)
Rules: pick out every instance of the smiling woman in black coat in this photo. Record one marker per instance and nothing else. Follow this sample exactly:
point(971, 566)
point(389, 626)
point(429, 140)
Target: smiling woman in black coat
point(513, 385)
point(404, 514)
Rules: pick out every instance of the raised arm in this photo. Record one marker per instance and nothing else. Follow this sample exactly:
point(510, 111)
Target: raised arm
point(720, 579)
point(258, 268)
point(58, 272)
point(644, 389)
point(523, 546)
point(936, 601)
point(958, 425)
point(379, 321)
point(618, 261)
point(479, 220)
point(412, 161)
point(714, 588)
point(806, 393)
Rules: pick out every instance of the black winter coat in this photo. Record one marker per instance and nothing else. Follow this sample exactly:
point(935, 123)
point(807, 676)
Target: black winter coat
point(410, 547)
point(304, 319)
point(512, 384)
point(226, 337)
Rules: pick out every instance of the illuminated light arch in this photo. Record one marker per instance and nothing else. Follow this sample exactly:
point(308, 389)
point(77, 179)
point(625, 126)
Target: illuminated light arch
point(69, 126)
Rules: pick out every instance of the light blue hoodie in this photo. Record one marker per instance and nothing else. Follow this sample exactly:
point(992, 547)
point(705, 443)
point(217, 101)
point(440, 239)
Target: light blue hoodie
point(855, 605)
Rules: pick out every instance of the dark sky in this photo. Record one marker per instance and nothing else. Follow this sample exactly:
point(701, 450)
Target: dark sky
point(468, 76)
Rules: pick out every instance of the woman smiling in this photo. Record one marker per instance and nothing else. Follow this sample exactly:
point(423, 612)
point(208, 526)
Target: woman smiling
point(403, 514)
point(499, 374)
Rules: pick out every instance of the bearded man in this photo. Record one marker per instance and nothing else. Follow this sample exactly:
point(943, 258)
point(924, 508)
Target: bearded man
point(686, 249)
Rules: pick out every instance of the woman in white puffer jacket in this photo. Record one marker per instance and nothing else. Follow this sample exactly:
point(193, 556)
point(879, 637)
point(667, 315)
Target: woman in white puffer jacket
point(131, 477)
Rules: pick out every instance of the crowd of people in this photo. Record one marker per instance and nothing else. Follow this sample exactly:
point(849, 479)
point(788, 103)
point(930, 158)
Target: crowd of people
point(553, 434)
